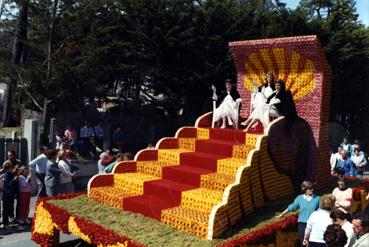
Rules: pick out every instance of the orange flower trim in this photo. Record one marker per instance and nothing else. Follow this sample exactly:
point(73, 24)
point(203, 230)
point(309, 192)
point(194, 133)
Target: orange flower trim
point(110, 195)
point(216, 181)
point(152, 167)
point(191, 221)
point(203, 134)
point(201, 199)
point(132, 182)
point(230, 165)
point(241, 151)
point(187, 143)
point(170, 156)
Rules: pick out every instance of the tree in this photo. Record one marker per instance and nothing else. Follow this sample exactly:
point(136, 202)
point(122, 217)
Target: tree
point(19, 49)
point(346, 48)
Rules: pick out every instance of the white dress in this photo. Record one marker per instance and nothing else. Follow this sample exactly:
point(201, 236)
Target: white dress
point(259, 98)
point(228, 108)
point(264, 111)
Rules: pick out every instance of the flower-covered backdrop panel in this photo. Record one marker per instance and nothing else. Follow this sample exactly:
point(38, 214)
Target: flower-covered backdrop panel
point(301, 64)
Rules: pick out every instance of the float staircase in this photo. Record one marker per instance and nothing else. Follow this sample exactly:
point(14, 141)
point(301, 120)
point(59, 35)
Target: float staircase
point(181, 181)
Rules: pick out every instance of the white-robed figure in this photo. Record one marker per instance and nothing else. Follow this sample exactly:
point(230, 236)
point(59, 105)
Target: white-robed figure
point(273, 107)
point(262, 93)
point(228, 105)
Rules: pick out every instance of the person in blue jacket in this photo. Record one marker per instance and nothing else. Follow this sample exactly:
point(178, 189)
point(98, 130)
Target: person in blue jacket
point(308, 202)
point(345, 166)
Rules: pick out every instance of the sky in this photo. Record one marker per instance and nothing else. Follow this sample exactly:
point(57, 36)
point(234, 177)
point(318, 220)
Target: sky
point(362, 7)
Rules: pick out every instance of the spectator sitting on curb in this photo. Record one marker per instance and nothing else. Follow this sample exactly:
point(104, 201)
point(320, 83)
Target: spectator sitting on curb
point(120, 157)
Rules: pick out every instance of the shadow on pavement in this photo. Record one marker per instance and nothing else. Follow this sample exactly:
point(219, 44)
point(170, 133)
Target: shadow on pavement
point(15, 229)
point(75, 243)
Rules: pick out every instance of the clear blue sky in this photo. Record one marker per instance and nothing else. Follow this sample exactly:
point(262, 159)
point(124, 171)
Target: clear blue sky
point(362, 7)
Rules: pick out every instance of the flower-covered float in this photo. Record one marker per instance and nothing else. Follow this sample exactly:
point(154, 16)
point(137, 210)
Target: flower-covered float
point(205, 180)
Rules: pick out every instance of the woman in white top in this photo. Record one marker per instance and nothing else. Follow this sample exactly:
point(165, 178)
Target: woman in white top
point(66, 175)
point(318, 222)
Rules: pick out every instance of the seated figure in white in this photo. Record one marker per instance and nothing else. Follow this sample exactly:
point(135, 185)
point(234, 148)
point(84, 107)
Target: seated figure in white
point(262, 93)
point(228, 105)
point(272, 107)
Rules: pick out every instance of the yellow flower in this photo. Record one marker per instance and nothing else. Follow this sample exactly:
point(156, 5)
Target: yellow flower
point(73, 228)
point(43, 221)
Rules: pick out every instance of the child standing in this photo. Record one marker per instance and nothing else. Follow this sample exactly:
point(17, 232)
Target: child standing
point(25, 188)
point(9, 192)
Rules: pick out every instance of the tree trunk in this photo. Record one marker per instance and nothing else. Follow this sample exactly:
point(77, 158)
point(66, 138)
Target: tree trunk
point(49, 56)
point(50, 39)
point(19, 49)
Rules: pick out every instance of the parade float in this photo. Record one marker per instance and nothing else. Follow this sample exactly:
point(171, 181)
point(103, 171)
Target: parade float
point(204, 181)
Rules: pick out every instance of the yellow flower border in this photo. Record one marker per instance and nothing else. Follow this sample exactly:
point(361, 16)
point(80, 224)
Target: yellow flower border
point(46, 225)
point(73, 228)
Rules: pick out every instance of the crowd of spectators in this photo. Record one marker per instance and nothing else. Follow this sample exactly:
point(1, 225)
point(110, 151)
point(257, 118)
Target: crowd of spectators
point(53, 170)
point(328, 220)
point(108, 161)
point(90, 142)
point(349, 160)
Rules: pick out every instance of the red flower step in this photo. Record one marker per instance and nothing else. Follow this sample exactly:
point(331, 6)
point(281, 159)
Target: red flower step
point(201, 160)
point(166, 189)
point(150, 206)
point(236, 136)
point(214, 146)
point(184, 174)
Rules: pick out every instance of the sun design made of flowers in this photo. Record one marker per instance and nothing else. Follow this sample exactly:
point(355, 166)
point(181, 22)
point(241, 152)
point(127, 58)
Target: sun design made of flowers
point(289, 66)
